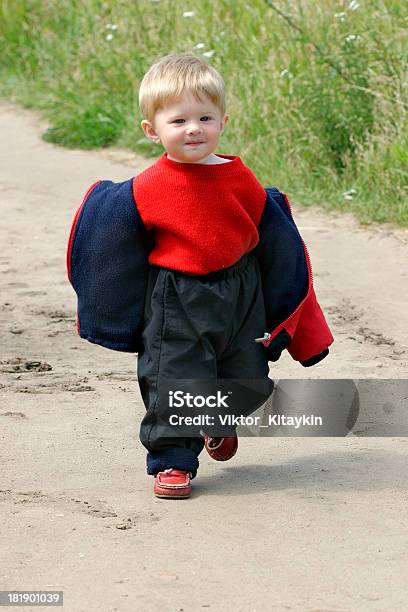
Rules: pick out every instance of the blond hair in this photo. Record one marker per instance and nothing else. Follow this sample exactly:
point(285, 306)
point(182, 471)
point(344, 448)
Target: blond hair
point(176, 74)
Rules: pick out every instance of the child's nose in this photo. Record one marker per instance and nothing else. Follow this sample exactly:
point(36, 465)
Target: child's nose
point(193, 128)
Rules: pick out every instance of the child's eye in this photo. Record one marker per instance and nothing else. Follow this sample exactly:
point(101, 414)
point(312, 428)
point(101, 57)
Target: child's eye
point(204, 117)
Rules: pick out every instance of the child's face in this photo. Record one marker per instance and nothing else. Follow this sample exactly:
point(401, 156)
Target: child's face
point(187, 121)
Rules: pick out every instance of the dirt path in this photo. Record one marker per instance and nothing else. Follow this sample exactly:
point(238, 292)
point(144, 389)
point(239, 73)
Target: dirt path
point(305, 524)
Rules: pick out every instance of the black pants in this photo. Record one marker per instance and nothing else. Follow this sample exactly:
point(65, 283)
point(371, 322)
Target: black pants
point(198, 328)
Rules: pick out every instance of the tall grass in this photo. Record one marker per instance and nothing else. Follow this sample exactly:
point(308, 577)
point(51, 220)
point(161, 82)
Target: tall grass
point(316, 91)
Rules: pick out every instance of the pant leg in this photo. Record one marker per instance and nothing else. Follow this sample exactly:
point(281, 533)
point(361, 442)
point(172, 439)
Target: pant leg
point(245, 361)
point(174, 348)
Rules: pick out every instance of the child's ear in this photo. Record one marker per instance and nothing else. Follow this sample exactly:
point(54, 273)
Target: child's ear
point(149, 131)
point(224, 122)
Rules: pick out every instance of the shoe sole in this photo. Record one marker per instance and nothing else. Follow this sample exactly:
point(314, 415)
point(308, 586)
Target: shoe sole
point(225, 458)
point(167, 496)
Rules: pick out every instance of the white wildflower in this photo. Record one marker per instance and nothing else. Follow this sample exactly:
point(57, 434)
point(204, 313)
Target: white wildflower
point(223, 33)
point(199, 46)
point(286, 73)
point(209, 53)
point(111, 26)
point(109, 37)
point(352, 38)
point(353, 6)
point(341, 16)
point(188, 14)
point(348, 195)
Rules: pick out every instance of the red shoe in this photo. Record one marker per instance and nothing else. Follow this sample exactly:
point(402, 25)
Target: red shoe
point(221, 449)
point(172, 483)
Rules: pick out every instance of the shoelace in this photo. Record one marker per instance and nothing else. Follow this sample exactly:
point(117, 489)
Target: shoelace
point(214, 442)
point(169, 471)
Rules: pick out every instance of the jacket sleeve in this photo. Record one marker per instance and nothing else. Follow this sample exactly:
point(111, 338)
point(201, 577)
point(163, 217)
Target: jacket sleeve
point(107, 265)
point(294, 318)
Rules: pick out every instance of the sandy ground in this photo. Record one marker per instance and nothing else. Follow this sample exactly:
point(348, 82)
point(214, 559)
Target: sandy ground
point(302, 524)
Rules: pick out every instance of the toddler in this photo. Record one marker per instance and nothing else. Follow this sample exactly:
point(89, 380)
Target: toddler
point(227, 279)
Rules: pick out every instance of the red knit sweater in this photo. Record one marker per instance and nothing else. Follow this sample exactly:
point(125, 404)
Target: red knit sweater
point(204, 217)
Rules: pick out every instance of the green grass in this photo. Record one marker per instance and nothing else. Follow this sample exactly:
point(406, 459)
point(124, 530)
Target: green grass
point(316, 91)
